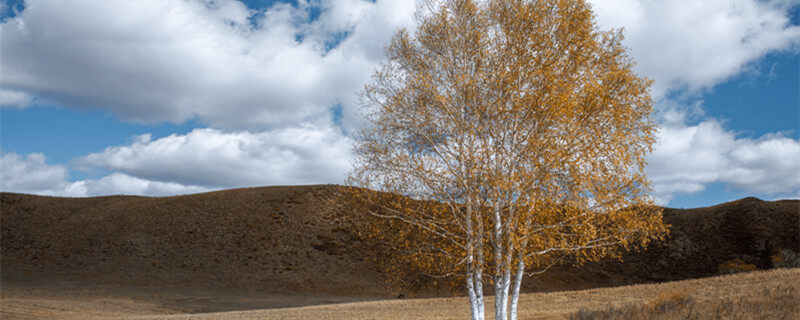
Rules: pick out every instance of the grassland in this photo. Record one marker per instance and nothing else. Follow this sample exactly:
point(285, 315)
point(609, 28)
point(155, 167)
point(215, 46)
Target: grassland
point(773, 294)
point(758, 295)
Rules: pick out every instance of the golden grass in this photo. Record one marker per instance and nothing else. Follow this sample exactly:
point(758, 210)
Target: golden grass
point(773, 294)
point(778, 301)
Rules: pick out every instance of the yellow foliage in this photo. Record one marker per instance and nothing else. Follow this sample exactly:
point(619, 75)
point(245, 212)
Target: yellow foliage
point(777, 260)
point(503, 136)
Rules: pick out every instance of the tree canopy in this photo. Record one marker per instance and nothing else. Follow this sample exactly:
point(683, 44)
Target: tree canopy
point(510, 133)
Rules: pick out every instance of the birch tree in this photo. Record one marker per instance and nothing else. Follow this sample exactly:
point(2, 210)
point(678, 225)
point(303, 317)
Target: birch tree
point(501, 137)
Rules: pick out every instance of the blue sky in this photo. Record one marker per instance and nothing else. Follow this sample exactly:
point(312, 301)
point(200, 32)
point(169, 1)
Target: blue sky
point(761, 101)
point(137, 101)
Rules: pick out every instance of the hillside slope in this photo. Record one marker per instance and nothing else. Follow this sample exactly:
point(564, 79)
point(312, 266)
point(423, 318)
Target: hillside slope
point(288, 239)
point(700, 240)
point(275, 239)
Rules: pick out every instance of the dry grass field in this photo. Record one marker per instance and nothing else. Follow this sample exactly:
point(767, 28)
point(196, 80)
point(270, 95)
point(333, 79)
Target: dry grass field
point(773, 294)
point(72, 300)
point(758, 295)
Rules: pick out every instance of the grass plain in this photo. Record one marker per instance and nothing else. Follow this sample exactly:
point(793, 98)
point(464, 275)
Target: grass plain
point(772, 294)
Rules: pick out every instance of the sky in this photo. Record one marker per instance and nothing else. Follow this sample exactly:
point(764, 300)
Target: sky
point(167, 97)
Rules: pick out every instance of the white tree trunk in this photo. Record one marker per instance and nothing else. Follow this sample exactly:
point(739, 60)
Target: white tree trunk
point(502, 287)
point(474, 302)
point(506, 285)
point(481, 313)
point(501, 300)
point(499, 312)
point(475, 267)
point(517, 286)
point(478, 278)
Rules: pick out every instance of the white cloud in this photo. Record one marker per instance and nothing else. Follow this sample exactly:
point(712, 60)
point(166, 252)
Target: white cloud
point(689, 157)
point(767, 165)
point(260, 74)
point(694, 45)
point(119, 183)
point(216, 159)
point(172, 60)
point(201, 160)
point(14, 99)
point(31, 174)
point(688, 47)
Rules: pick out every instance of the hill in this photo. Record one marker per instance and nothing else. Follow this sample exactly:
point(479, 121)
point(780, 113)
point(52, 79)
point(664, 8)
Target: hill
point(275, 239)
point(290, 240)
point(745, 232)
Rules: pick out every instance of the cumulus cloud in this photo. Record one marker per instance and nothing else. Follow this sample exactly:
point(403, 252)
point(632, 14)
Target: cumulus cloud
point(119, 183)
point(689, 157)
point(266, 82)
point(173, 60)
point(687, 47)
point(15, 99)
point(216, 159)
point(31, 174)
point(693, 45)
point(233, 67)
point(201, 160)
point(768, 165)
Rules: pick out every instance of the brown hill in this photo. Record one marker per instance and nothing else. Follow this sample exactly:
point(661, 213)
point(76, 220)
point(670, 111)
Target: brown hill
point(700, 240)
point(276, 239)
point(289, 240)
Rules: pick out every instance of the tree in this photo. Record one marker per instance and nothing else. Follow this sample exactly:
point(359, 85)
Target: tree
point(503, 136)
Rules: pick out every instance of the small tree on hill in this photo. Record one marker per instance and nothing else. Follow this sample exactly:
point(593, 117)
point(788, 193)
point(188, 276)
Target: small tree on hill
point(505, 135)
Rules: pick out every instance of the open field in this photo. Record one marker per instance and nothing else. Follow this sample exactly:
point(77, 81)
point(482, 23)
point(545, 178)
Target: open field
point(773, 294)
point(74, 300)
